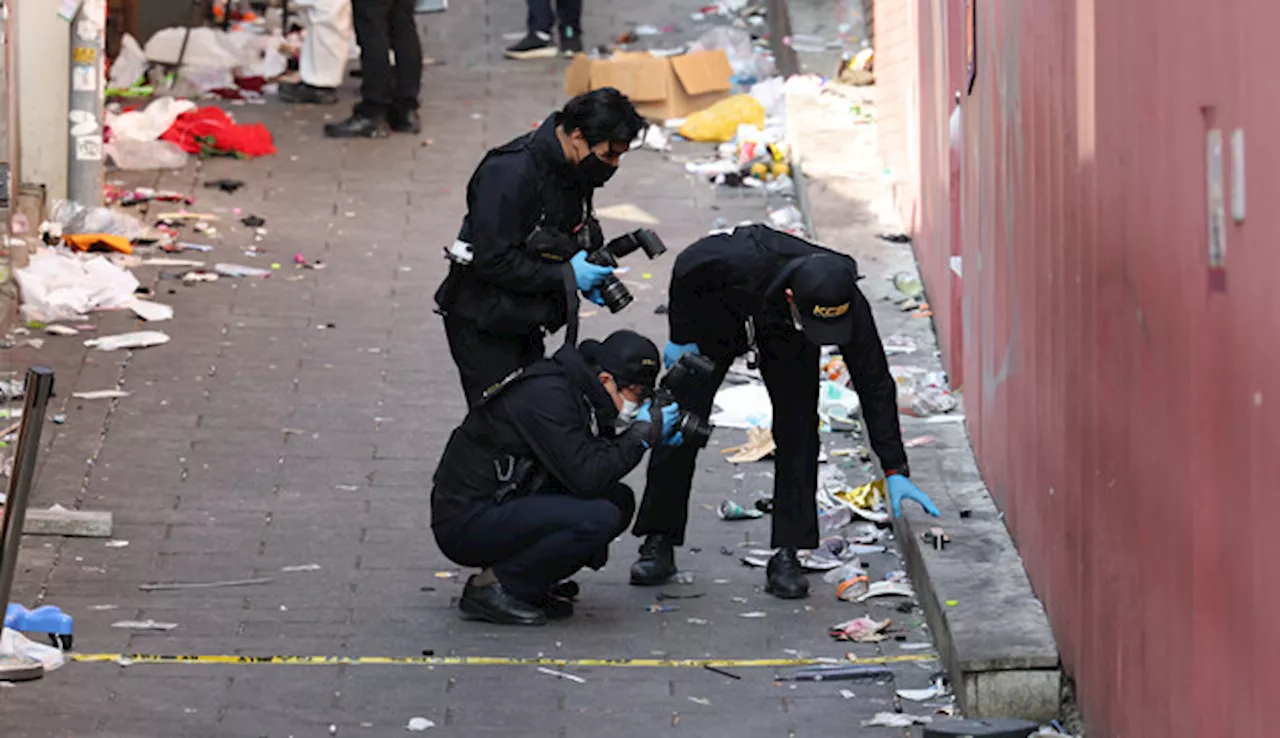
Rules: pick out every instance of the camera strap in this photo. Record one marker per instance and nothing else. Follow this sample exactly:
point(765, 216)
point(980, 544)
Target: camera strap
point(571, 303)
point(753, 351)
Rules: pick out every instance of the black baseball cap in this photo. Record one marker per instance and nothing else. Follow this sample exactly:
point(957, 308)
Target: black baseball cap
point(628, 356)
point(823, 288)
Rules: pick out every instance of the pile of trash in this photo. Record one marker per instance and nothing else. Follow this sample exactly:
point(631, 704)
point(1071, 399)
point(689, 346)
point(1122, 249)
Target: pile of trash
point(167, 130)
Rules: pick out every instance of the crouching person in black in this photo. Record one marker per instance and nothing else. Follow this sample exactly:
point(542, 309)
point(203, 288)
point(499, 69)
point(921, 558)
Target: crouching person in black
point(528, 487)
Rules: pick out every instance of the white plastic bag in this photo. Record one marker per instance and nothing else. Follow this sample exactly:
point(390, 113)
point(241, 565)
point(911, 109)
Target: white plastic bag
point(130, 64)
point(748, 62)
point(13, 643)
point(745, 406)
point(59, 285)
point(151, 122)
point(144, 155)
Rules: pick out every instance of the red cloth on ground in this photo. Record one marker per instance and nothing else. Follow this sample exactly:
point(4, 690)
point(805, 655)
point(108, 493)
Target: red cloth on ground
point(211, 130)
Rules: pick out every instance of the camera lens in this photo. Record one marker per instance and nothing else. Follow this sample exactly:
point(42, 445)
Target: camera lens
point(696, 431)
point(615, 293)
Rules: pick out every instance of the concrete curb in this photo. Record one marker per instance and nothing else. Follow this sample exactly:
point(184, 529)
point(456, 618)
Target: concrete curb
point(994, 638)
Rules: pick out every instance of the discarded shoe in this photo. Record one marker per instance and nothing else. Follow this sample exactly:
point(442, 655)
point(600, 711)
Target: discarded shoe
point(358, 126)
point(657, 562)
point(785, 576)
point(492, 604)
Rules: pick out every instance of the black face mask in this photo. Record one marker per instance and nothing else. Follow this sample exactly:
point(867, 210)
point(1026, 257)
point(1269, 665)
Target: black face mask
point(596, 170)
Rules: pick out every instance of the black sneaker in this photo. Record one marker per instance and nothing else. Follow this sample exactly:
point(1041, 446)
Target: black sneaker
point(533, 46)
point(492, 604)
point(570, 42)
point(657, 562)
point(785, 575)
point(358, 126)
point(406, 122)
point(301, 93)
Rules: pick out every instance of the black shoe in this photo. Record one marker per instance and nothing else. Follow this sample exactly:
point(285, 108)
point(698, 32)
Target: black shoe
point(406, 122)
point(304, 94)
point(570, 42)
point(786, 578)
point(492, 604)
point(556, 608)
point(533, 46)
point(358, 126)
point(566, 590)
point(657, 562)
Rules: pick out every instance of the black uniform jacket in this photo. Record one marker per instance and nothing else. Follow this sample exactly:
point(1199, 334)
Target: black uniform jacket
point(508, 289)
point(557, 414)
point(721, 280)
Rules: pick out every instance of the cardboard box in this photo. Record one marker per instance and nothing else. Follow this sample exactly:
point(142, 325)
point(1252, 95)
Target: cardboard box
point(660, 87)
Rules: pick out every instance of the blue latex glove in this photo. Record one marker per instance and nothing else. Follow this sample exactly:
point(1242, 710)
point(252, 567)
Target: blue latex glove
point(588, 276)
point(672, 353)
point(670, 415)
point(900, 488)
point(595, 296)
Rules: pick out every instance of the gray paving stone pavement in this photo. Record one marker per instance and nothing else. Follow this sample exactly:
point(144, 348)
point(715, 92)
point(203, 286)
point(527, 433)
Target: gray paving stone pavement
point(296, 420)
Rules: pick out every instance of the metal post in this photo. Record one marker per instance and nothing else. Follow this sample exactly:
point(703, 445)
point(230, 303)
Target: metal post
point(14, 121)
point(38, 391)
point(84, 155)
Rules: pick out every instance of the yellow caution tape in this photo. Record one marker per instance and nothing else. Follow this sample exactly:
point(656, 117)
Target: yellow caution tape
point(141, 658)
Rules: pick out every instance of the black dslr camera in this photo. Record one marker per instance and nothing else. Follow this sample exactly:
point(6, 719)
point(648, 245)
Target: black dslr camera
point(689, 370)
point(615, 293)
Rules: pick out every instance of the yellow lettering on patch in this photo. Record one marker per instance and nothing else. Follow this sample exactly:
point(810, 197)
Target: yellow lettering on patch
point(835, 311)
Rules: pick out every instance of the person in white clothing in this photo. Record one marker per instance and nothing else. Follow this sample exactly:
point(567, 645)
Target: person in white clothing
point(326, 47)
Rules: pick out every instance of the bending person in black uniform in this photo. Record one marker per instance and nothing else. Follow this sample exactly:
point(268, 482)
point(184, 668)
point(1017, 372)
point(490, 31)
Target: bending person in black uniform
point(761, 290)
point(520, 252)
point(528, 487)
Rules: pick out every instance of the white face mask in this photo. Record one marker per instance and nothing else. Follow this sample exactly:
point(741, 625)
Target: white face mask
point(627, 415)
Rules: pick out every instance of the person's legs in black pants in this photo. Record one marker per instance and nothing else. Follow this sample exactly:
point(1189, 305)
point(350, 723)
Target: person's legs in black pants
point(373, 33)
point(665, 505)
point(484, 359)
point(537, 43)
point(789, 364)
point(531, 543)
point(408, 72)
point(569, 13)
point(541, 18)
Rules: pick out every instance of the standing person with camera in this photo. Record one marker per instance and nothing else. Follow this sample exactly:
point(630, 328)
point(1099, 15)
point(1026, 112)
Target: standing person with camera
point(779, 298)
point(528, 487)
point(520, 253)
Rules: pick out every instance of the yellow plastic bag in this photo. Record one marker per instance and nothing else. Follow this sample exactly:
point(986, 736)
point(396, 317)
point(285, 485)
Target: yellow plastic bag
point(720, 122)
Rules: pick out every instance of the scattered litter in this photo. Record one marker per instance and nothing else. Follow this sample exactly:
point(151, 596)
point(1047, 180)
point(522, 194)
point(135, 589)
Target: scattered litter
point(899, 343)
point(919, 441)
point(660, 608)
point(759, 445)
point(909, 285)
point(446, 574)
point(253, 221)
point(684, 577)
point(240, 270)
point(58, 285)
point(194, 277)
point(847, 694)
point(137, 339)
point(897, 720)
point(346, 487)
point(915, 646)
point(143, 625)
point(937, 689)
point(13, 643)
point(561, 675)
point(697, 621)
point(164, 261)
point(936, 537)
point(100, 394)
point(743, 406)
point(104, 608)
point(164, 586)
point(699, 700)
point(753, 614)
point(861, 630)
point(114, 543)
point(60, 330)
point(888, 589)
point(730, 510)
point(953, 603)
point(721, 672)
point(628, 213)
point(58, 419)
point(832, 673)
point(151, 311)
point(226, 185)
point(419, 724)
point(302, 567)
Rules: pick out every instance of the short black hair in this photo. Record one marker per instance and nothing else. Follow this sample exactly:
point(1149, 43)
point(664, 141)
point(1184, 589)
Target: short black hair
point(602, 115)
